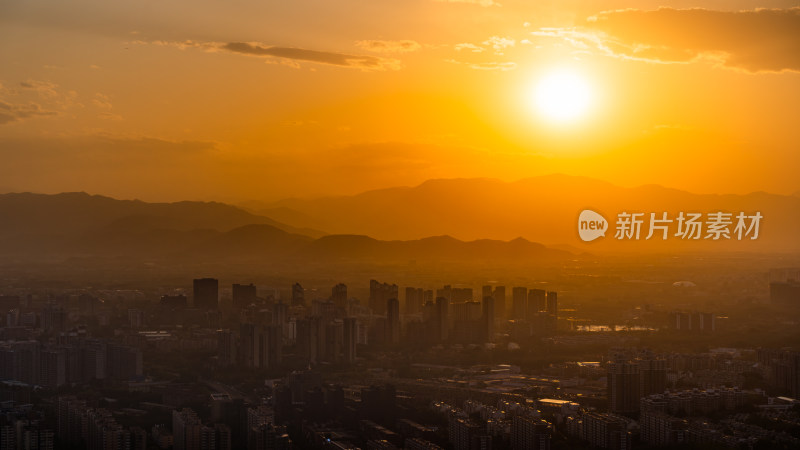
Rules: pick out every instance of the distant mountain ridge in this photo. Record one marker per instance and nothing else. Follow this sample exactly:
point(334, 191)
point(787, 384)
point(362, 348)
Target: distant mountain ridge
point(544, 209)
point(79, 212)
point(439, 219)
point(78, 224)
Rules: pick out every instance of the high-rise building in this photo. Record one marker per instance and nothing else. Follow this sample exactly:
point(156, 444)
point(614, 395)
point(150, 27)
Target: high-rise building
point(205, 293)
point(280, 314)
point(244, 295)
point(466, 435)
point(442, 320)
point(350, 337)
point(783, 370)
point(623, 387)
point(445, 292)
point(414, 300)
point(552, 311)
point(124, 362)
point(519, 303)
point(185, 429)
point(499, 295)
point(488, 319)
point(339, 296)
point(269, 351)
point(246, 353)
point(528, 433)
point(226, 347)
point(334, 341)
point(427, 296)
point(222, 437)
point(536, 302)
point(379, 294)
point(52, 368)
point(307, 330)
point(269, 437)
point(552, 303)
point(486, 291)
point(393, 321)
point(606, 431)
point(54, 318)
point(660, 429)
point(298, 295)
point(652, 376)
point(467, 323)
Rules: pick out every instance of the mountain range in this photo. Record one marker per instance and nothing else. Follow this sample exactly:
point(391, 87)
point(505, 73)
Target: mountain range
point(544, 209)
point(456, 219)
point(78, 224)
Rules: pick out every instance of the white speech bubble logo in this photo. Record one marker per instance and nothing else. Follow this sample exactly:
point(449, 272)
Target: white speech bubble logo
point(591, 225)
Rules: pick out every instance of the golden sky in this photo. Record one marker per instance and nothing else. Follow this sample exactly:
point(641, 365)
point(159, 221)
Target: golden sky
point(239, 100)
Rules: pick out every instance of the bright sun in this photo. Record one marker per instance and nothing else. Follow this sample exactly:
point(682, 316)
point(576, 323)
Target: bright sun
point(562, 96)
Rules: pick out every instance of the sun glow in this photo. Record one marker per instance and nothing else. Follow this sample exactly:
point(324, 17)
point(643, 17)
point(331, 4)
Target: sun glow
point(562, 96)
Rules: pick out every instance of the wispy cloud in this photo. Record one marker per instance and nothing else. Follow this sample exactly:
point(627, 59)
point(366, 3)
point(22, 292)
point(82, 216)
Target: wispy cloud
point(760, 40)
point(489, 65)
point(503, 66)
point(31, 99)
point(499, 43)
point(10, 112)
point(293, 55)
point(401, 46)
point(469, 47)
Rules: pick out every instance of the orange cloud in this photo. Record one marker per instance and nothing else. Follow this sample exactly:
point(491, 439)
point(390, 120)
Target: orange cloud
point(761, 40)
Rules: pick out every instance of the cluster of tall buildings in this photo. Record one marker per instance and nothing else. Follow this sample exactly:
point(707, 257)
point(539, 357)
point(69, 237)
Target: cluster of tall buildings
point(205, 293)
point(189, 433)
point(663, 420)
point(73, 361)
point(630, 380)
point(329, 329)
point(379, 296)
point(478, 426)
point(327, 339)
point(782, 368)
point(95, 428)
point(693, 402)
point(24, 429)
point(534, 311)
point(601, 430)
point(254, 346)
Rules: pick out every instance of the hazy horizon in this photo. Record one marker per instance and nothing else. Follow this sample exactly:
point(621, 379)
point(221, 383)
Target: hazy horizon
point(248, 202)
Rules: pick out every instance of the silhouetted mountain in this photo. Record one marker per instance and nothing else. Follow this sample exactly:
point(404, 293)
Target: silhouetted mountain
point(70, 221)
point(544, 209)
point(80, 225)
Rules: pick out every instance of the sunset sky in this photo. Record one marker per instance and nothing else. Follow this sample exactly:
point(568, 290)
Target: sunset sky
point(241, 100)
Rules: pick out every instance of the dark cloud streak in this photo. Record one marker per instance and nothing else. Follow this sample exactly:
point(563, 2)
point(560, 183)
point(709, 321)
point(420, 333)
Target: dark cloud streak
point(315, 56)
